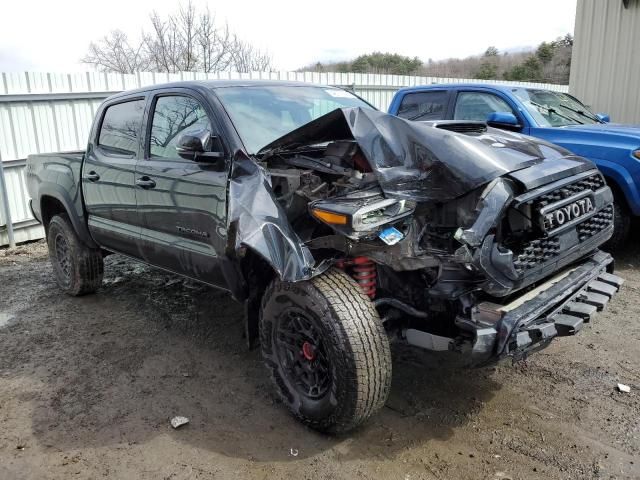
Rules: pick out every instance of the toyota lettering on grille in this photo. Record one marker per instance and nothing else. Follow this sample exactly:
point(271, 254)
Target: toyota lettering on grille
point(562, 215)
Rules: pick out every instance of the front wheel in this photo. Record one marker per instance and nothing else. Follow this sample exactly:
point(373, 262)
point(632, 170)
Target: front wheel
point(77, 268)
point(327, 351)
point(621, 226)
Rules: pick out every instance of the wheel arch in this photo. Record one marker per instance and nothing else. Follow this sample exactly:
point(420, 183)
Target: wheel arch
point(256, 274)
point(622, 184)
point(54, 200)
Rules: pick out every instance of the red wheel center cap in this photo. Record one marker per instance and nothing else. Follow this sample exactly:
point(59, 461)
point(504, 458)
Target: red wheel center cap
point(308, 351)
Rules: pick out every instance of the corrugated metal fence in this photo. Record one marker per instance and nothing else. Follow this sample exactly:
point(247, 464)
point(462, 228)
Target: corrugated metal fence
point(44, 112)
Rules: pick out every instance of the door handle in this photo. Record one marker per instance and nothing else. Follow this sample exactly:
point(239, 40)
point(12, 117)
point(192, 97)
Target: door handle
point(92, 176)
point(145, 182)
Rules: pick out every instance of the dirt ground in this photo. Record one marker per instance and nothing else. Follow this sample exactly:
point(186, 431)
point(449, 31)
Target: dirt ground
point(88, 385)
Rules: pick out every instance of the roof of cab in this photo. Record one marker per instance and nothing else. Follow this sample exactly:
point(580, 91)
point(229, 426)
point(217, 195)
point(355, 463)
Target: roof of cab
point(213, 84)
point(495, 86)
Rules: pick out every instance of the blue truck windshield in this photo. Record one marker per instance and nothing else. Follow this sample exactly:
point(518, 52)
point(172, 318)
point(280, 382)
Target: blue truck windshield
point(554, 109)
point(262, 114)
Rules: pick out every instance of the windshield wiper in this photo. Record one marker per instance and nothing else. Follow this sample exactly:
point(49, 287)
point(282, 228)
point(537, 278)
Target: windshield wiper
point(553, 110)
point(581, 112)
point(415, 117)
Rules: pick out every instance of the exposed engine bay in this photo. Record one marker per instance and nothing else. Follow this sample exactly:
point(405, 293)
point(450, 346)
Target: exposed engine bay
point(443, 225)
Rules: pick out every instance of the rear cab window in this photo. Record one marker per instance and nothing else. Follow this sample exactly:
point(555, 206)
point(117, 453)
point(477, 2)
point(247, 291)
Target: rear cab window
point(429, 105)
point(479, 105)
point(121, 126)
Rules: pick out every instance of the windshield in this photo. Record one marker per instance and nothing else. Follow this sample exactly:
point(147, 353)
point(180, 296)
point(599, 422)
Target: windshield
point(554, 109)
point(262, 114)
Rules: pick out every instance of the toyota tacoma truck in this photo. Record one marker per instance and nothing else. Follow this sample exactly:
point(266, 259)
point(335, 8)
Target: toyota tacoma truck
point(339, 227)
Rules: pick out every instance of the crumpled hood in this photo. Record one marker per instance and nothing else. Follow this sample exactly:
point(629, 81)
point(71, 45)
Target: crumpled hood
point(416, 161)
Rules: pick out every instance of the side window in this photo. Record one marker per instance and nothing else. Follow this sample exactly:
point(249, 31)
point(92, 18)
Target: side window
point(478, 106)
point(424, 105)
point(120, 128)
point(173, 117)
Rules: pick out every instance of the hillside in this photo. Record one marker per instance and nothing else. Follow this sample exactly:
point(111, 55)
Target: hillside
point(549, 62)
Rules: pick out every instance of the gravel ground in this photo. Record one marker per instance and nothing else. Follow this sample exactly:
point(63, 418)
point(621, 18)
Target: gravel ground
point(88, 385)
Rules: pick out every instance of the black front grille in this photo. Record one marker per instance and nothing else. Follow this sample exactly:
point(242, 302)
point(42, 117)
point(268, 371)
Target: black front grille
point(536, 252)
point(593, 182)
point(596, 223)
point(541, 249)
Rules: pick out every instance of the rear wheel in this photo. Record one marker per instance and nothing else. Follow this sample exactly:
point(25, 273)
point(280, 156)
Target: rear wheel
point(327, 351)
point(77, 268)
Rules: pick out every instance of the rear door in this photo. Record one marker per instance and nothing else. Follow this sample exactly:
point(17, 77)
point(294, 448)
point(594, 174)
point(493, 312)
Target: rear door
point(108, 176)
point(425, 105)
point(182, 203)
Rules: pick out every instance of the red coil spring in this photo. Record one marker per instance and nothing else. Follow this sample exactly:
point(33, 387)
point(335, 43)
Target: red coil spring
point(363, 271)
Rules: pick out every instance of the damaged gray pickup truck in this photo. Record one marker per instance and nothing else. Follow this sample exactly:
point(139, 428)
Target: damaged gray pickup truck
point(341, 228)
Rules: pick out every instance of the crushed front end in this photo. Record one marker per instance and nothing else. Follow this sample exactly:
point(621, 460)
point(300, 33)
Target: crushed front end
point(544, 276)
point(465, 238)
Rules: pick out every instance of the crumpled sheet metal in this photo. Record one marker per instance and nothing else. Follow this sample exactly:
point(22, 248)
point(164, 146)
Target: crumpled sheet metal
point(262, 224)
point(416, 161)
point(492, 204)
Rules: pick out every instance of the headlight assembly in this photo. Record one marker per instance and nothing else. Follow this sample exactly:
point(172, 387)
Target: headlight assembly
point(360, 213)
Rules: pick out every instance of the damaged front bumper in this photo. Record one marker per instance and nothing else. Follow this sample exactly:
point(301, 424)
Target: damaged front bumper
point(558, 307)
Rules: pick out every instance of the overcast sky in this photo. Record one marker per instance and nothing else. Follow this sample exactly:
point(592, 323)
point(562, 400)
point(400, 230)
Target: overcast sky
point(52, 35)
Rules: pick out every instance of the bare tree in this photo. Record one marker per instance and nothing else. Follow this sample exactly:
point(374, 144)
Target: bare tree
point(160, 45)
point(187, 37)
point(185, 41)
point(114, 53)
point(171, 44)
point(215, 44)
point(247, 58)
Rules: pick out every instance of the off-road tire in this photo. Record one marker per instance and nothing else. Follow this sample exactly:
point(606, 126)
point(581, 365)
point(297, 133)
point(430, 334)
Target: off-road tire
point(621, 226)
point(352, 338)
point(77, 268)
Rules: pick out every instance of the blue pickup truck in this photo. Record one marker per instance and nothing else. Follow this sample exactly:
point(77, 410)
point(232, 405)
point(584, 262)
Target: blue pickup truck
point(555, 117)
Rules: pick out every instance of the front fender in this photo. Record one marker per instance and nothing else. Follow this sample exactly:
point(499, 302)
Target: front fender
point(624, 180)
point(259, 223)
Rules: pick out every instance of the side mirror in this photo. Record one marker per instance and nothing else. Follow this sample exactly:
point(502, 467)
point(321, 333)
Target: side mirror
point(197, 146)
point(506, 120)
point(603, 117)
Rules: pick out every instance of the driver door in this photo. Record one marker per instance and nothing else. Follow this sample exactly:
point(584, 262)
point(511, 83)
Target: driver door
point(181, 202)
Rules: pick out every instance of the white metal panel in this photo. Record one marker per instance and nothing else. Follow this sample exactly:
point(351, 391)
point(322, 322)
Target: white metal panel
point(66, 125)
point(78, 82)
point(45, 126)
point(7, 150)
point(24, 133)
point(62, 82)
point(23, 234)
point(15, 83)
point(38, 82)
point(85, 112)
point(17, 193)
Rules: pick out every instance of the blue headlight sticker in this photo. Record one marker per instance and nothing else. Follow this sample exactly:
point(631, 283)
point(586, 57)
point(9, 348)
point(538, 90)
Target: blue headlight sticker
point(391, 235)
